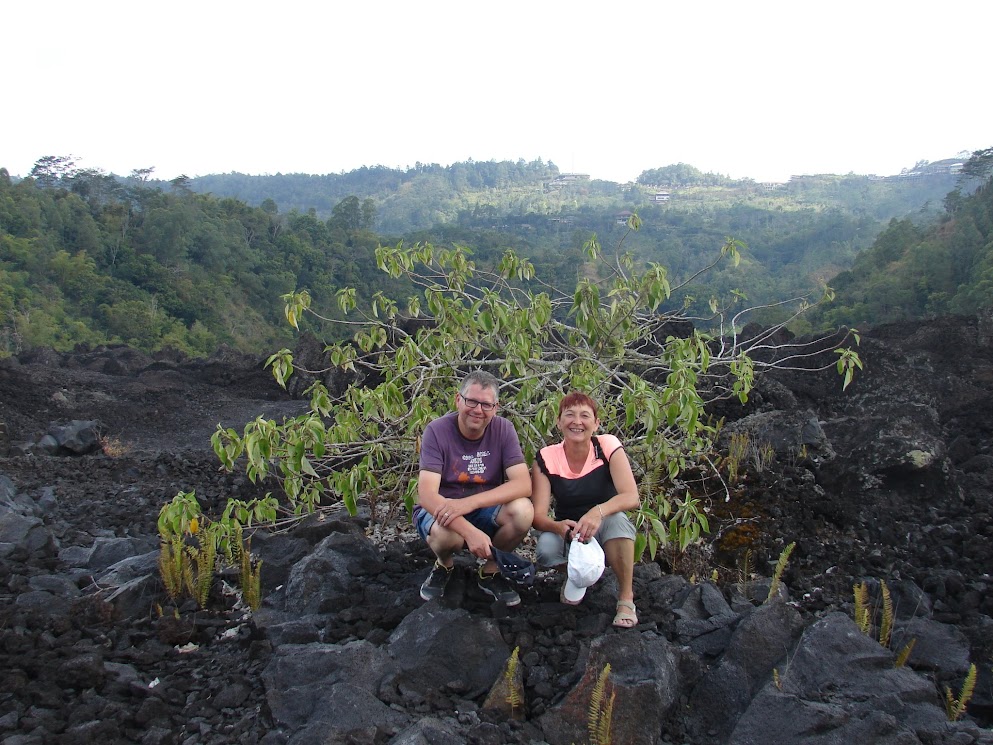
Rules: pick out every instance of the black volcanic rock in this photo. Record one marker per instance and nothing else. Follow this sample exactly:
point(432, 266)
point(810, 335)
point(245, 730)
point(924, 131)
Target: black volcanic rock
point(888, 482)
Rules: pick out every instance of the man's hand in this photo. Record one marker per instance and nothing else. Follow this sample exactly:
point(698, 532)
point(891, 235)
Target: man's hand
point(479, 544)
point(449, 509)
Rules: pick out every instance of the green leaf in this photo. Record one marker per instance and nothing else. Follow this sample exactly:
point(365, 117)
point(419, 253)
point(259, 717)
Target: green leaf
point(307, 468)
point(640, 543)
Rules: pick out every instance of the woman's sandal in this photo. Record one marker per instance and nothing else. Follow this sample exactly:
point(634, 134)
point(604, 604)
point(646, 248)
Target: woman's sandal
point(627, 615)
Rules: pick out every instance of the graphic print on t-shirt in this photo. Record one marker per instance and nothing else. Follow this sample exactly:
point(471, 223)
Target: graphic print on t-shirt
point(475, 467)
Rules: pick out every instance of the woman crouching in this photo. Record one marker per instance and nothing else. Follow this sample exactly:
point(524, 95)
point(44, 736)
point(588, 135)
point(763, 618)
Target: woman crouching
point(590, 480)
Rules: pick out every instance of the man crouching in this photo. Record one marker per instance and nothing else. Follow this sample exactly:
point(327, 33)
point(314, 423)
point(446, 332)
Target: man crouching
point(473, 488)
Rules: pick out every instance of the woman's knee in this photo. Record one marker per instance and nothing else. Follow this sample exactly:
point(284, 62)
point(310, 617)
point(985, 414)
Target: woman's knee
point(550, 550)
point(619, 553)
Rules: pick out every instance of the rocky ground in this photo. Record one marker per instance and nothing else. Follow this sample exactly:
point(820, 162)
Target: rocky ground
point(896, 483)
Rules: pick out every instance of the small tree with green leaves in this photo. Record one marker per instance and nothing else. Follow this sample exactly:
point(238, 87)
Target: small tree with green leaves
point(608, 337)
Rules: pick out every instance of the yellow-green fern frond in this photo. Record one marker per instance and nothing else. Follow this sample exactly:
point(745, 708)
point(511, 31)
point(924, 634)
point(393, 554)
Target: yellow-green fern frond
point(187, 570)
point(251, 579)
point(205, 561)
point(886, 625)
point(863, 614)
point(603, 733)
point(514, 695)
point(901, 659)
point(777, 575)
point(747, 566)
point(171, 566)
point(601, 708)
point(955, 707)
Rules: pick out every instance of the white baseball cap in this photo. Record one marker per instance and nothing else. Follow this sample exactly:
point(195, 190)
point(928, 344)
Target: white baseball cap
point(586, 562)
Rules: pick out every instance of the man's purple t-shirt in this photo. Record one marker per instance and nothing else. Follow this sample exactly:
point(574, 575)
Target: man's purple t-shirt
point(469, 466)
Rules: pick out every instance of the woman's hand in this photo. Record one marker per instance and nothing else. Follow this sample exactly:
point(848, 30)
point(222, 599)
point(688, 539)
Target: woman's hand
point(565, 527)
point(588, 525)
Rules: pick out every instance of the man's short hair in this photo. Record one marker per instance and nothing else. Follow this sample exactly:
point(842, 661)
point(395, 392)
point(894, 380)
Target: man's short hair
point(482, 379)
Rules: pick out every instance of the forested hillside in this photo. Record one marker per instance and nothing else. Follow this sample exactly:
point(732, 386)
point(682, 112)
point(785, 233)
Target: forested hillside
point(925, 270)
point(798, 234)
point(90, 257)
point(417, 197)
point(484, 193)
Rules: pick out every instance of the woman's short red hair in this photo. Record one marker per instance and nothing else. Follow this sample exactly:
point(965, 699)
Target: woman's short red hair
point(577, 399)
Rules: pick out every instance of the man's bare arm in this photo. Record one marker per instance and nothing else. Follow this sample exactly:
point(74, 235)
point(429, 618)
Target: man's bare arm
point(428, 497)
point(517, 485)
point(447, 511)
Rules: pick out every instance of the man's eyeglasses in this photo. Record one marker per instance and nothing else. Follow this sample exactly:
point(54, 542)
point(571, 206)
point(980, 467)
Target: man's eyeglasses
point(473, 403)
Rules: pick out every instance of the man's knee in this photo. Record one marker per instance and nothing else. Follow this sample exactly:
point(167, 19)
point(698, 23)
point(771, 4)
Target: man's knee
point(443, 540)
point(519, 513)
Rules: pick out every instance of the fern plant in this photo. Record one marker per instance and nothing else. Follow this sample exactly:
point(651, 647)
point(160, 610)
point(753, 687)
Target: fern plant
point(746, 565)
point(777, 575)
point(251, 580)
point(601, 710)
point(955, 707)
point(204, 559)
point(865, 616)
point(863, 611)
point(515, 697)
point(171, 559)
point(737, 451)
point(193, 546)
point(763, 456)
point(886, 624)
point(904, 655)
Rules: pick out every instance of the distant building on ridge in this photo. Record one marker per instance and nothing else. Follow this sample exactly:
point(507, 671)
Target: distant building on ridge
point(565, 179)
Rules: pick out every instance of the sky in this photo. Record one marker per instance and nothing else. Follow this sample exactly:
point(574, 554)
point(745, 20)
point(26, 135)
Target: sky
point(762, 90)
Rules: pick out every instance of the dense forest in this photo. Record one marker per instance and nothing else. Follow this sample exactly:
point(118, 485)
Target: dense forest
point(913, 270)
point(482, 194)
point(90, 258)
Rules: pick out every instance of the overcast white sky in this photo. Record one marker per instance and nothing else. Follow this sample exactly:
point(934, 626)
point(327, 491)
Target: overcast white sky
point(748, 89)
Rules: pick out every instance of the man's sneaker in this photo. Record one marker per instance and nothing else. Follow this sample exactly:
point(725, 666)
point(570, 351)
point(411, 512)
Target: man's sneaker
point(434, 586)
point(498, 587)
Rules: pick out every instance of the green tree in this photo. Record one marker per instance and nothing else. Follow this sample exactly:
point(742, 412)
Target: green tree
point(166, 233)
point(53, 170)
point(141, 175)
point(606, 337)
point(76, 275)
point(346, 215)
point(680, 174)
point(368, 214)
point(979, 166)
point(138, 323)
